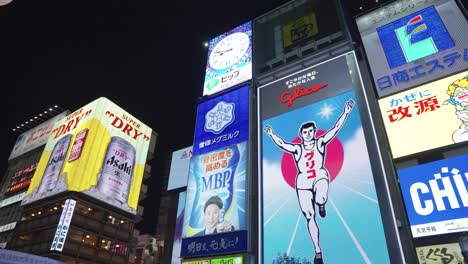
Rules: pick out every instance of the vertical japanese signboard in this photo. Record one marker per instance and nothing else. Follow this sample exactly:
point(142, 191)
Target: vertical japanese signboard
point(411, 42)
point(215, 211)
point(427, 117)
point(63, 226)
point(316, 180)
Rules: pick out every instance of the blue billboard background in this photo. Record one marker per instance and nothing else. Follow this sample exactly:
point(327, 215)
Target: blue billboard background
point(219, 173)
point(352, 231)
point(436, 191)
point(222, 121)
point(176, 247)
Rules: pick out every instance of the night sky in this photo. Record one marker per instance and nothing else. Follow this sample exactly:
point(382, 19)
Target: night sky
point(145, 56)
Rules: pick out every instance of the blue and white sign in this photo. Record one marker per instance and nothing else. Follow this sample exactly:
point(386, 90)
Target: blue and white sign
point(436, 196)
point(222, 121)
point(216, 244)
point(412, 42)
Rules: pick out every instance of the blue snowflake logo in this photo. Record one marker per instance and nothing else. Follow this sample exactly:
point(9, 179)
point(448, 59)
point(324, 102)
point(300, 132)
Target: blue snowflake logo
point(219, 117)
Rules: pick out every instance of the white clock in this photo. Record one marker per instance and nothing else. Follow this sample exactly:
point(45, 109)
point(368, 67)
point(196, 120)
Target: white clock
point(229, 50)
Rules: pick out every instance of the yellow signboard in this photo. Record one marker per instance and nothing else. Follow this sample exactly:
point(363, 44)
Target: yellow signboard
point(300, 29)
point(427, 117)
point(99, 150)
point(443, 253)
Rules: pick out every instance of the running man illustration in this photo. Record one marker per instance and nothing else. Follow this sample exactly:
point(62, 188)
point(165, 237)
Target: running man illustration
point(312, 179)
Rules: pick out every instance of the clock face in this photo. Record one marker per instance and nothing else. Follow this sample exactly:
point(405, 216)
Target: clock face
point(229, 50)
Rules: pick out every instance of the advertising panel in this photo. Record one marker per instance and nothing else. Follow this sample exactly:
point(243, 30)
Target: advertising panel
point(428, 116)
point(222, 121)
point(411, 42)
point(178, 173)
point(299, 30)
point(178, 229)
point(12, 199)
point(99, 150)
point(319, 200)
point(229, 59)
point(443, 253)
point(228, 260)
point(436, 197)
point(35, 137)
point(216, 192)
point(63, 225)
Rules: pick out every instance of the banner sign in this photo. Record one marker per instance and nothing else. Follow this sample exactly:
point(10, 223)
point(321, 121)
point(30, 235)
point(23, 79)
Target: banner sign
point(437, 254)
point(222, 121)
point(315, 170)
point(411, 42)
point(427, 117)
point(179, 168)
point(63, 226)
point(229, 59)
point(100, 150)
point(12, 199)
point(231, 242)
point(436, 197)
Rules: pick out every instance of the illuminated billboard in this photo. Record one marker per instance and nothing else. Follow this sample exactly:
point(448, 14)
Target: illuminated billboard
point(34, 137)
point(442, 253)
point(229, 59)
point(299, 30)
point(216, 192)
point(411, 42)
point(179, 168)
point(99, 150)
point(178, 229)
point(319, 201)
point(435, 196)
point(427, 117)
point(222, 121)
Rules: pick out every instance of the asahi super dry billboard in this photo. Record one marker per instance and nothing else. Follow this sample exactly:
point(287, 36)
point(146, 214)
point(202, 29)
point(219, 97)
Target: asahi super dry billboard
point(99, 150)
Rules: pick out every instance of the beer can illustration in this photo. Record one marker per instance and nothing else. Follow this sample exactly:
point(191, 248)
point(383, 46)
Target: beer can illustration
point(54, 165)
point(116, 173)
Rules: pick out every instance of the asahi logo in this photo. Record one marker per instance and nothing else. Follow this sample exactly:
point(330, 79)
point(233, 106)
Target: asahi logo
point(301, 79)
point(116, 163)
point(57, 159)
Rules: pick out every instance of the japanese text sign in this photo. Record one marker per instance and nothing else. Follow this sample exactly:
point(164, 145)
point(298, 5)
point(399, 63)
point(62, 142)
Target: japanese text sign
point(216, 192)
point(443, 253)
point(229, 59)
point(216, 244)
point(427, 117)
point(412, 42)
point(222, 121)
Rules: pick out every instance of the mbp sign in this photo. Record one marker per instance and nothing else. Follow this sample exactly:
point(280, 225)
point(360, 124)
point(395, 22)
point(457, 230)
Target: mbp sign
point(436, 196)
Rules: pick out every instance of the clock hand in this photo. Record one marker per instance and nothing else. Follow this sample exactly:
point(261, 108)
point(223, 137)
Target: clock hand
point(221, 52)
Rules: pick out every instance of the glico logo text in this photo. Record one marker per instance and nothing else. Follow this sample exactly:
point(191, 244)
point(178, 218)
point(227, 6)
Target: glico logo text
point(413, 37)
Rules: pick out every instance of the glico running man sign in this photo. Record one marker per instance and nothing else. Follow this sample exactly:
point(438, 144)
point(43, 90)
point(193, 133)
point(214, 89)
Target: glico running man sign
point(314, 154)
